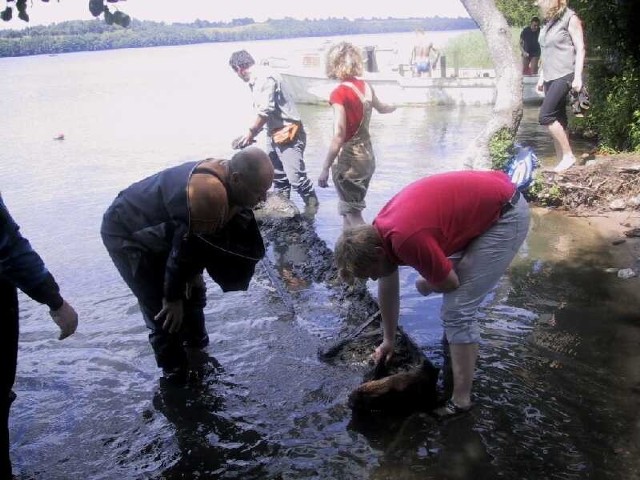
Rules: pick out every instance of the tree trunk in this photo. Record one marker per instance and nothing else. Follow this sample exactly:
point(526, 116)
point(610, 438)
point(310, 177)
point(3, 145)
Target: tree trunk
point(507, 110)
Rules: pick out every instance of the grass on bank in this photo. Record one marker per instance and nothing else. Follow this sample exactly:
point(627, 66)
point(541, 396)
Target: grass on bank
point(470, 50)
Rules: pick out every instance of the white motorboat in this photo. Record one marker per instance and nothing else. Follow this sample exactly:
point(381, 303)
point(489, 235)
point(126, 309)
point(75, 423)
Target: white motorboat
point(398, 83)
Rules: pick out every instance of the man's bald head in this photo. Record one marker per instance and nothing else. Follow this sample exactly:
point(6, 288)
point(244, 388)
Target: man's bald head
point(251, 176)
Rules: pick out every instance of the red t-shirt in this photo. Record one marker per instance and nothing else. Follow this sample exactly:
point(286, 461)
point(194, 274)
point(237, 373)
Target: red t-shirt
point(345, 96)
point(439, 215)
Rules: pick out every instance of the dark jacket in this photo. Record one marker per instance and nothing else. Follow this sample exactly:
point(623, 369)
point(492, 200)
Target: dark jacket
point(155, 218)
point(21, 266)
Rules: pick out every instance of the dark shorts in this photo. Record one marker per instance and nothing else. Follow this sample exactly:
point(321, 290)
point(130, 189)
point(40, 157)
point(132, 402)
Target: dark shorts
point(554, 105)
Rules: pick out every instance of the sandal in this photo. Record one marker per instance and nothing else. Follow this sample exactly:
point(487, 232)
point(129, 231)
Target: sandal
point(450, 410)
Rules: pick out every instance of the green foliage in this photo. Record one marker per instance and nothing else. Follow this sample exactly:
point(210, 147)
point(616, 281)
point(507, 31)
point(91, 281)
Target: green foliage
point(634, 131)
point(611, 28)
point(545, 193)
point(612, 37)
point(96, 8)
point(469, 49)
point(615, 111)
point(501, 148)
point(518, 12)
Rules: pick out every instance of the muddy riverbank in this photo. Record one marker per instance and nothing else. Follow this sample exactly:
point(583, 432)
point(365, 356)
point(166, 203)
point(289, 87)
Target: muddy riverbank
point(604, 193)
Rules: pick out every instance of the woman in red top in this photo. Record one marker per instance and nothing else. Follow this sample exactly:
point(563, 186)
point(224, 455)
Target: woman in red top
point(352, 102)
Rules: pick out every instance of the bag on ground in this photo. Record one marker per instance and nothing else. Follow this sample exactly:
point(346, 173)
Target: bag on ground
point(521, 166)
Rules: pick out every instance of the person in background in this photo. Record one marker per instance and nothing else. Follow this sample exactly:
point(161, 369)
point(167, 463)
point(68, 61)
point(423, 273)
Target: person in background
point(164, 231)
point(22, 268)
point(352, 101)
point(530, 48)
point(421, 54)
point(480, 218)
point(287, 138)
point(562, 45)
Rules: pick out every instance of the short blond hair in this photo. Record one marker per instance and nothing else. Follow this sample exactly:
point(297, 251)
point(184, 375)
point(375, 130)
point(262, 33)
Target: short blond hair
point(344, 60)
point(551, 9)
point(355, 250)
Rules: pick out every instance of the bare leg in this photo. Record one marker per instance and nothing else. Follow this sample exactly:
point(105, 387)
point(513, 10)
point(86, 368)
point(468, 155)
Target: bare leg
point(562, 146)
point(560, 138)
point(463, 362)
point(558, 149)
point(533, 65)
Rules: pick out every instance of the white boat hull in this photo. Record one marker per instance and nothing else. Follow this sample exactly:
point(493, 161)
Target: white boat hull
point(315, 89)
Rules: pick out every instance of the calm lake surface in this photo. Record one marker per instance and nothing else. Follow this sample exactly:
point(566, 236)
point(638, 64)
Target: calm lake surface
point(557, 386)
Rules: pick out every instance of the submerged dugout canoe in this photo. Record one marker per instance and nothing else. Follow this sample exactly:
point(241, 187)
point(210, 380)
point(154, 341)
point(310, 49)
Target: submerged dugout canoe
point(301, 269)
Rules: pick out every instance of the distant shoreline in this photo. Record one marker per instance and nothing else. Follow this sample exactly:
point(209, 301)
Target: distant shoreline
point(93, 35)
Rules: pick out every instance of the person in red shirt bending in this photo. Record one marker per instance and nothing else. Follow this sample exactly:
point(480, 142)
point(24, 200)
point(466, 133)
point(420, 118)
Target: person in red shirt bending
point(460, 231)
point(352, 102)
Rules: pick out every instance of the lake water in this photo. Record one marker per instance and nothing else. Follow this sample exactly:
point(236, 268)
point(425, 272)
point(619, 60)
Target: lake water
point(557, 387)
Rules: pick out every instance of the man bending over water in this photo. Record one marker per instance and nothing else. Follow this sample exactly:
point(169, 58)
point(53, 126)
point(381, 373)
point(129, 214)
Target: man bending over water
point(164, 231)
point(482, 216)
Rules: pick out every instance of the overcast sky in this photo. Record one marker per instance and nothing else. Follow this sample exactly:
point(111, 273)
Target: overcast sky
point(54, 11)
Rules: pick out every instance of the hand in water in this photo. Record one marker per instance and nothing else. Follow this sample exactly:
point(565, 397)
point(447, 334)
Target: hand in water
point(66, 318)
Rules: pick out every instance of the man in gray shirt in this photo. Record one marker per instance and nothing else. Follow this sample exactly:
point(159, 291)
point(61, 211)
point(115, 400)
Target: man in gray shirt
point(286, 136)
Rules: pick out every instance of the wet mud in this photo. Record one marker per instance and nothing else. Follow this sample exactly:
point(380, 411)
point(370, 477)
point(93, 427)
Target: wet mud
point(407, 373)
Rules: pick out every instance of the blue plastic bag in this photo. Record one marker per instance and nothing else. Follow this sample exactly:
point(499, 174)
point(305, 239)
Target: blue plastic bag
point(521, 166)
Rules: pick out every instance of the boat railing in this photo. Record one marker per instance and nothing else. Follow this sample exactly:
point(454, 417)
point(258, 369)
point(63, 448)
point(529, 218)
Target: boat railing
point(379, 61)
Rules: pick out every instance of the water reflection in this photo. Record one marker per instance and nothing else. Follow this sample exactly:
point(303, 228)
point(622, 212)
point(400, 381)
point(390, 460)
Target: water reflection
point(211, 442)
point(559, 370)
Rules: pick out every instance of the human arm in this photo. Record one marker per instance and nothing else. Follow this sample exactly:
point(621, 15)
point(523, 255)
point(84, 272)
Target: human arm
point(25, 269)
point(450, 283)
point(338, 139)
point(179, 270)
point(540, 84)
point(389, 301)
point(264, 102)
point(172, 312)
point(66, 318)
point(434, 63)
point(380, 106)
point(577, 37)
point(423, 251)
point(254, 130)
point(196, 282)
point(522, 50)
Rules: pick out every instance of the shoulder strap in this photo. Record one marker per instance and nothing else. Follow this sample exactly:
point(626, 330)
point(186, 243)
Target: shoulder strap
point(206, 169)
point(362, 97)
